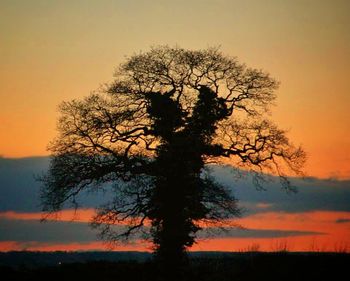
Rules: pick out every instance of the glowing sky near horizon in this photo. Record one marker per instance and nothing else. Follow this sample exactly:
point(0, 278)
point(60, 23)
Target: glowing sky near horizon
point(319, 231)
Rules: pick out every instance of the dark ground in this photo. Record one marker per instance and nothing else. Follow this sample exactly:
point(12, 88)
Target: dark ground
point(203, 266)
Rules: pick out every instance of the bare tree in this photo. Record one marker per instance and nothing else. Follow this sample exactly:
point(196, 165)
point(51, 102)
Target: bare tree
point(151, 132)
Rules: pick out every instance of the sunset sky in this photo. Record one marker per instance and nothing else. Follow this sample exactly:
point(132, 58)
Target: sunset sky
point(51, 51)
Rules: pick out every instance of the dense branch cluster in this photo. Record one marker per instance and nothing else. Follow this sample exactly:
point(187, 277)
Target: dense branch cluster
point(151, 132)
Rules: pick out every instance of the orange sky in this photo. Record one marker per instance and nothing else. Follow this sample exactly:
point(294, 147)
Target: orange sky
point(52, 51)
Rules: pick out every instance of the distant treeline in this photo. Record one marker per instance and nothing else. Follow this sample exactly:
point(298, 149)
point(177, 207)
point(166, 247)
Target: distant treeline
point(31, 259)
point(207, 266)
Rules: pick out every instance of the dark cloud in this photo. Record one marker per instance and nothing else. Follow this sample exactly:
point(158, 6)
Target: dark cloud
point(20, 192)
point(54, 232)
point(18, 189)
point(34, 231)
point(48, 231)
point(312, 194)
point(342, 221)
point(253, 233)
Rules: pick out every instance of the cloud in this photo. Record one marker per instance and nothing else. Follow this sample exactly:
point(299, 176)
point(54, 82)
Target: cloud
point(18, 189)
point(253, 233)
point(53, 232)
point(20, 192)
point(33, 231)
point(342, 220)
point(312, 194)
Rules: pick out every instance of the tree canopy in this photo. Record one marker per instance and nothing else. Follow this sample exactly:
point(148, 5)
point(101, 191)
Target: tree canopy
point(152, 133)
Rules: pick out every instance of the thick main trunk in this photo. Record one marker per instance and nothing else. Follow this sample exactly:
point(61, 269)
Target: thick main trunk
point(172, 236)
point(173, 227)
point(176, 202)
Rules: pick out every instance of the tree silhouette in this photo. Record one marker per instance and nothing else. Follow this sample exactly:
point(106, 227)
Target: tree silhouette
point(151, 132)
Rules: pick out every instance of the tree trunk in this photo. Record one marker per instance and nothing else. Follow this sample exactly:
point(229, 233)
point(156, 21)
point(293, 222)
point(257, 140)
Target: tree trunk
point(175, 201)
